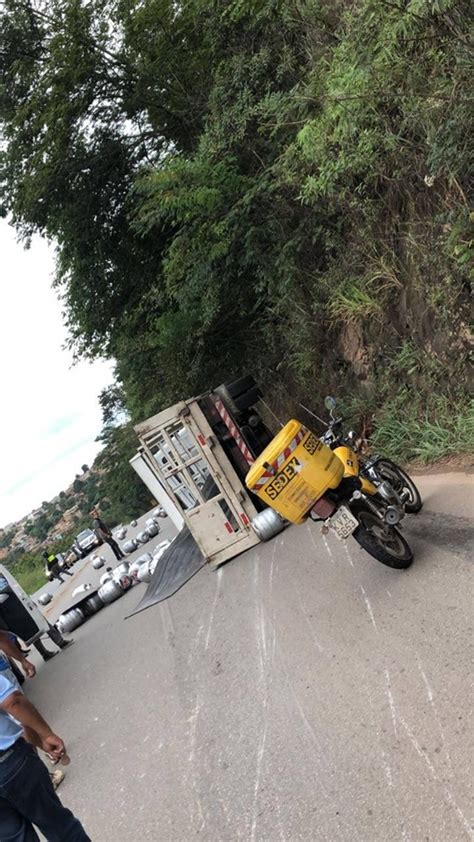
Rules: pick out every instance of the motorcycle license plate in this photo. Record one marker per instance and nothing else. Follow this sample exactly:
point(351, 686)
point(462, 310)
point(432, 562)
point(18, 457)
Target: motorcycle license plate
point(343, 523)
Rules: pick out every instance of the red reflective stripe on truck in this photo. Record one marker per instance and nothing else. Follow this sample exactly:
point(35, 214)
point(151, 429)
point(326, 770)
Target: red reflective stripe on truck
point(234, 431)
point(281, 458)
point(245, 520)
point(228, 527)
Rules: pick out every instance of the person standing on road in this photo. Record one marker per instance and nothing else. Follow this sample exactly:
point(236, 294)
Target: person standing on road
point(104, 534)
point(11, 652)
point(53, 633)
point(27, 795)
point(54, 569)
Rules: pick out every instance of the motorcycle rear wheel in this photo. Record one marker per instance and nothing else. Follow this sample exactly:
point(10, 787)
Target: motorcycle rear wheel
point(400, 481)
point(386, 545)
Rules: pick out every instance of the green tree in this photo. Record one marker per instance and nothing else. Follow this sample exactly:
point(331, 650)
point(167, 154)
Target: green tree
point(6, 538)
point(41, 527)
point(273, 186)
point(119, 483)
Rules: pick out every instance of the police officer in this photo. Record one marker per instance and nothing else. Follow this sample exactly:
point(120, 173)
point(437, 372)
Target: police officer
point(52, 563)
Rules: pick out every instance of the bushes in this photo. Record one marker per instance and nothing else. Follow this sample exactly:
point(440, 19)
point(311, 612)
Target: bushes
point(282, 190)
point(27, 568)
point(424, 430)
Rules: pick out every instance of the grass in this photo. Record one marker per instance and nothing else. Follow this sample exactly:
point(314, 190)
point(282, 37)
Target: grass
point(353, 301)
point(426, 433)
point(30, 580)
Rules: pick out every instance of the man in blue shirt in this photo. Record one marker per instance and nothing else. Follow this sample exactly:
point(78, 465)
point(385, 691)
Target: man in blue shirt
point(11, 651)
point(27, 796)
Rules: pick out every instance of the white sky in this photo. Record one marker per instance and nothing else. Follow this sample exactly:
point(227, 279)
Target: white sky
point(49, 413)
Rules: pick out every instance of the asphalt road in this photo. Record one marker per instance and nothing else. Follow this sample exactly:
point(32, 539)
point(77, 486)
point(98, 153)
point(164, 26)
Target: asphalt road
point(301, 692)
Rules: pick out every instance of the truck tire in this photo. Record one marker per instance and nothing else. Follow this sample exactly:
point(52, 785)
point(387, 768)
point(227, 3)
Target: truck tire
point(248, 399)
point(226, 399)
point(239, 386)
point(239, 403)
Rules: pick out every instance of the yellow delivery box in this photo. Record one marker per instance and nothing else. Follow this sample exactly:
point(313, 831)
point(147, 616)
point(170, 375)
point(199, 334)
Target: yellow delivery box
point(294, 471)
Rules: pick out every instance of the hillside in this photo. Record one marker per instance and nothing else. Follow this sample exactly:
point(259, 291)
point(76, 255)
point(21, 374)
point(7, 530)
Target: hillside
point(110, 482)
point(54, 519)
point(266, 187)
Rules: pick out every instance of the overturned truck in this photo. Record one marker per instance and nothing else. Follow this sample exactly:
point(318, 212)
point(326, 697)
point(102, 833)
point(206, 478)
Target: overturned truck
point(194, 457)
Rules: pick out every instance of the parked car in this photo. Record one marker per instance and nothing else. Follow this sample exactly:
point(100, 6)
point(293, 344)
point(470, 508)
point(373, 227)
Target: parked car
point(72, 555)
point(87, 540)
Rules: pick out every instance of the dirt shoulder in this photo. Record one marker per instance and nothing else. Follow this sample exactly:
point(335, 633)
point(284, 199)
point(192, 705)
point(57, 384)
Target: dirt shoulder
point(455, 463)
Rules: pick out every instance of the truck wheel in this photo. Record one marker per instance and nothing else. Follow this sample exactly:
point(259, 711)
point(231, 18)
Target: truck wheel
point(238, 403)
point(248, 399)
point(238, 387)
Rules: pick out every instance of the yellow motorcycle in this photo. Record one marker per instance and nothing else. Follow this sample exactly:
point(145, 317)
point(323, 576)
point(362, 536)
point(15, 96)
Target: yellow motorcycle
point(374, 468)
point(302, 476)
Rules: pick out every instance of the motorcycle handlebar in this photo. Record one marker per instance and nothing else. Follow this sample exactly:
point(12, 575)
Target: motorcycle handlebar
point(338, 421)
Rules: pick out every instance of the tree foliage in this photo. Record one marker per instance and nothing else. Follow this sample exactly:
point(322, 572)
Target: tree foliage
point(124, 494)
point(256, 184)
point(6, 537)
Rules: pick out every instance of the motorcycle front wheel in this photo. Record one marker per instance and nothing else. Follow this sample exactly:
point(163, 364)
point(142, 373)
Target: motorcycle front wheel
point(386, 545)
point(400, 481)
